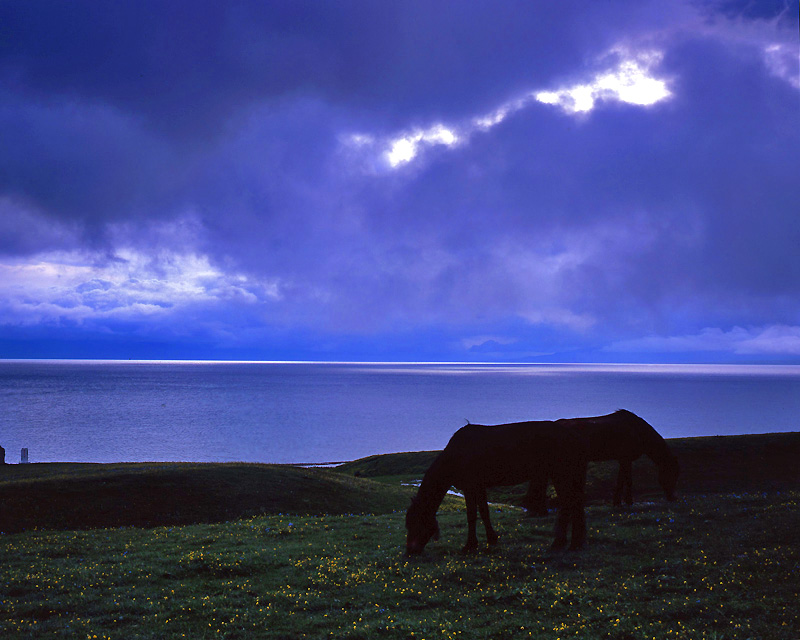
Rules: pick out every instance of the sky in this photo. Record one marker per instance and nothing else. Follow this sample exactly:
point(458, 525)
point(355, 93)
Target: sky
point(422, 180)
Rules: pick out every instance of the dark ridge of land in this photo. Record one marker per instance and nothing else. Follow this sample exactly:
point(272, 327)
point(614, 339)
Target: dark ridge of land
point(390, 464)
point(714, 464)
point(87, 496)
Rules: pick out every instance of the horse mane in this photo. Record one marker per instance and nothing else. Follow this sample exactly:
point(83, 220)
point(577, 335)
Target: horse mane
point(435, 484)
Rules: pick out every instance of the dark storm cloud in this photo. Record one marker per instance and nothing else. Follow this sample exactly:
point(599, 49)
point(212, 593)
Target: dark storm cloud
point(739, 167)
point(79, 161)
point(222, 169)
point(187, 66)
point(754, 10)
point(113, 104)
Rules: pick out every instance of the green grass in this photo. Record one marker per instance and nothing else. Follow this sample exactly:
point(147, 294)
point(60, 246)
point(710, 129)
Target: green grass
point(721, 563)
point(723, 566)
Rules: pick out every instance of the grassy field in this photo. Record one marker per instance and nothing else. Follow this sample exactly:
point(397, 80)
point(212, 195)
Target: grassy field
point(713, 565)
point(85, 496)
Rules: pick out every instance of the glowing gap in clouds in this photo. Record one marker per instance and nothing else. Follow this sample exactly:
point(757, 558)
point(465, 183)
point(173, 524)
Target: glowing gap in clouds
point(405, 148)
point(629, 81)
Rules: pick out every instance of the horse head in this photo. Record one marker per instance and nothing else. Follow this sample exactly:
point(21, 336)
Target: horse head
point(422, 525)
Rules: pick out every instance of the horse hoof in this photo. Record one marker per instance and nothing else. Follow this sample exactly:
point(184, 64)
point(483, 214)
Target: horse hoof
point(470, 548)
point(558, 546)
point(493, 541)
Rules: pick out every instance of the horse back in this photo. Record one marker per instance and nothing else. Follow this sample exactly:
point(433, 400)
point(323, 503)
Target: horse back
point(510, 454)
point(616, 436)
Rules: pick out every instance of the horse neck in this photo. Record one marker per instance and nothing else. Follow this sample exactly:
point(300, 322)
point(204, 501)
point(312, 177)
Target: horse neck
point(435, 485)
point(656, 448)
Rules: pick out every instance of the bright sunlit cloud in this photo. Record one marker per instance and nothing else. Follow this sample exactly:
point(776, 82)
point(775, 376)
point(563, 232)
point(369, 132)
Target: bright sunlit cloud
point(406, 147)
point(68, 286)
point(629, 80)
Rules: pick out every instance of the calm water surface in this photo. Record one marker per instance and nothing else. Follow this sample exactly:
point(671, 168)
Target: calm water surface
point(102, 411)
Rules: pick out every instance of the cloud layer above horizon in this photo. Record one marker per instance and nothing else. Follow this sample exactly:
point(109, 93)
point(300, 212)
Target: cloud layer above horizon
point(400, 180)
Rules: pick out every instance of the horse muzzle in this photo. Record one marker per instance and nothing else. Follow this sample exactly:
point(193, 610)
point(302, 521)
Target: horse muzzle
point(414, 548)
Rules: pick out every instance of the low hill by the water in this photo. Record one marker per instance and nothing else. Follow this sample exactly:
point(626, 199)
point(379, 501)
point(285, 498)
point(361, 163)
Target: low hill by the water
point(717, 464)
point(86, 496)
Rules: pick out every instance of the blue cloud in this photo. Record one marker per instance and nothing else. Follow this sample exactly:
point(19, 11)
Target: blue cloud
point(396, 180)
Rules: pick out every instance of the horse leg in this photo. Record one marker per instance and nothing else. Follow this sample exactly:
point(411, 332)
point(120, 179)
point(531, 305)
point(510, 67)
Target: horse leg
point(571, 487)
point(535, 501)
point(624, 483)
point(618, 487)
point(471, 499)
point(626, 469)
point(577, 508)
point(483, 507)
point(563, 517)
point(562, 523)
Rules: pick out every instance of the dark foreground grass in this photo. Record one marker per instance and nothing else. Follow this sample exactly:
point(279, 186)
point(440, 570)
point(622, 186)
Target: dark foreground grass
point(87, 496)
point(721, 566)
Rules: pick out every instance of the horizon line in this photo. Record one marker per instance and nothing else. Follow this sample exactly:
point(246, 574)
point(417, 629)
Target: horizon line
point(399, 362)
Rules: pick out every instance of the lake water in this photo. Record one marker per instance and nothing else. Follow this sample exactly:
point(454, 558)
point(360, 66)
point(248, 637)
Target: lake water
point(104, 411)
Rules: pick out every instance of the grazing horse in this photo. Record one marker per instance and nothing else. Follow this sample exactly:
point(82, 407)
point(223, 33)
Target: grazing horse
point(478, 457)
point(621, 436)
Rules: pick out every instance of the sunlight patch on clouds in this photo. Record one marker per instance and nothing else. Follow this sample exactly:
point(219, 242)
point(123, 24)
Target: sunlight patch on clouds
point(405, 148)
point(629, 80)
point(492, 119)
point(74, 287)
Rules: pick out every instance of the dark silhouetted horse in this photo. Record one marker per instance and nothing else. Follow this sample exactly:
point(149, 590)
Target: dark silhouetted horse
point(621, 436)
point(478, 457)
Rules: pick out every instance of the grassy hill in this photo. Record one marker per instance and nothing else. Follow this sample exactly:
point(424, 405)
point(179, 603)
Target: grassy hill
point(87, 496)
point(721, 562)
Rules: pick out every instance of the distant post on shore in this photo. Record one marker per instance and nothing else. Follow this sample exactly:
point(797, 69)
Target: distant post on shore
point(23, 457)
point(2, 455)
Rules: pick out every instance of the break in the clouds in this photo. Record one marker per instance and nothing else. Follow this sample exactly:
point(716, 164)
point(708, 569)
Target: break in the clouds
point(400, 180)
point(628, 81)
